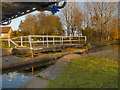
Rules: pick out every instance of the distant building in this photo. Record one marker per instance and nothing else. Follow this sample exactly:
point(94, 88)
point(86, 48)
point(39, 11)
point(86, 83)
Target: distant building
point(5, 32)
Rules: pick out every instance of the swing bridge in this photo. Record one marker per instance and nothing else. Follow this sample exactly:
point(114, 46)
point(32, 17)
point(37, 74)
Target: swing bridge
point(42, 42)
point(37, 44)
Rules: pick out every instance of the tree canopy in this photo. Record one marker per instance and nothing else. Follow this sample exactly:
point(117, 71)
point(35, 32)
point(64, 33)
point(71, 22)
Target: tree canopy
point(41, 24)
point(96, 20)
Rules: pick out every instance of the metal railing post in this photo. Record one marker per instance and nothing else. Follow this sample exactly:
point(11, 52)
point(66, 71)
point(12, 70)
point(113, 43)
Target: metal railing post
point(47, 41)
point(43, 40)
point(30, 41)
point(85, 39)
point(53, 40)
point(9, 41)
point(21, 41)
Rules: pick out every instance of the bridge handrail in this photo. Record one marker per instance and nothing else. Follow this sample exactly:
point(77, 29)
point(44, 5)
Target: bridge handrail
point(45, 39)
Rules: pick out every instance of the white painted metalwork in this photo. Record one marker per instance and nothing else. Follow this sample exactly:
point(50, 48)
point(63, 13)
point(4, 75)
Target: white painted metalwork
point(46, 39)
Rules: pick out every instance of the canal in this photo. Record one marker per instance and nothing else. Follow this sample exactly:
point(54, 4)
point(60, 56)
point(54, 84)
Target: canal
point(15, 78)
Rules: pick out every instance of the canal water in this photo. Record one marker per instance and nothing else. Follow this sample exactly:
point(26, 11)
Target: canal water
point(14, 79)
point(103, 48)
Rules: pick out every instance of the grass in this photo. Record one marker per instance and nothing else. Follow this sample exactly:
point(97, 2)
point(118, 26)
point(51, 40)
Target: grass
point(88, 72)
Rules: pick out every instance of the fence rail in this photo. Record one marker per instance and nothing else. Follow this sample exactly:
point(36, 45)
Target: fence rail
point(45, 40)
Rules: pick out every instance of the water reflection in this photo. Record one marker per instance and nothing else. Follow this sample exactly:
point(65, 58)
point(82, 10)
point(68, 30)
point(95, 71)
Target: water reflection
point(13, 80)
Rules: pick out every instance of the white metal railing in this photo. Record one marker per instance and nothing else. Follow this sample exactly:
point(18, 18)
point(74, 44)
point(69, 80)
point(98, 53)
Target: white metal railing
point(9, 40)
point(46, 39)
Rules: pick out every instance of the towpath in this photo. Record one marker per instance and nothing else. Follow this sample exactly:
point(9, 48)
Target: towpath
point(41, 80)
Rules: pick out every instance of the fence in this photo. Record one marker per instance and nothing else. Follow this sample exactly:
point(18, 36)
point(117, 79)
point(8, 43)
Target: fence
point(47, 40)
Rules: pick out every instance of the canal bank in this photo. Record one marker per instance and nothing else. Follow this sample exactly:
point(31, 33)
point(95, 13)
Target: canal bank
point(41, 80)
point(89, 46)
point(53, 72)
point(14, 62)
point(90, 71)
point(23, 73)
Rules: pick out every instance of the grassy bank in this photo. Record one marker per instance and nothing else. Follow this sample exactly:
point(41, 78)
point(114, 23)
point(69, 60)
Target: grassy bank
point(89, 72)
point(102, 44)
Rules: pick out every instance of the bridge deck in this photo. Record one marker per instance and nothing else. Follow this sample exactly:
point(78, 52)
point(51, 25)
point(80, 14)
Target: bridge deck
point(51, 48)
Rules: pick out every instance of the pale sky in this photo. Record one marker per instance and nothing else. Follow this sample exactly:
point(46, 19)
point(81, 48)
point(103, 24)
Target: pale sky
point(16, 22)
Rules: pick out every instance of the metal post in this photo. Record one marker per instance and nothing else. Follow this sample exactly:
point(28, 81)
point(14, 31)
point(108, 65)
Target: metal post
point(53, 41)
point(47, 41)
point(30, 41)
point(21, 41)
point(9, 41)
point(43, 40)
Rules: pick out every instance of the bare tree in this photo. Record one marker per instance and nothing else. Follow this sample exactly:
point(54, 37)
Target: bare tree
point(72, 18)
point(100, 15)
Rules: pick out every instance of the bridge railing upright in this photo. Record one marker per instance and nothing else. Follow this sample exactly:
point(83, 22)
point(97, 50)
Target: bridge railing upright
point(46, 40)
point(60, 40)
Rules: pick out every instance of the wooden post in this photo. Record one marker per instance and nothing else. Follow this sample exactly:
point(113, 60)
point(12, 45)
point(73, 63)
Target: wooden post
point(21, 41)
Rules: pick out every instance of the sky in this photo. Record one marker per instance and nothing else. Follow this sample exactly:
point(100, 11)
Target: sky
point(16, 22)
